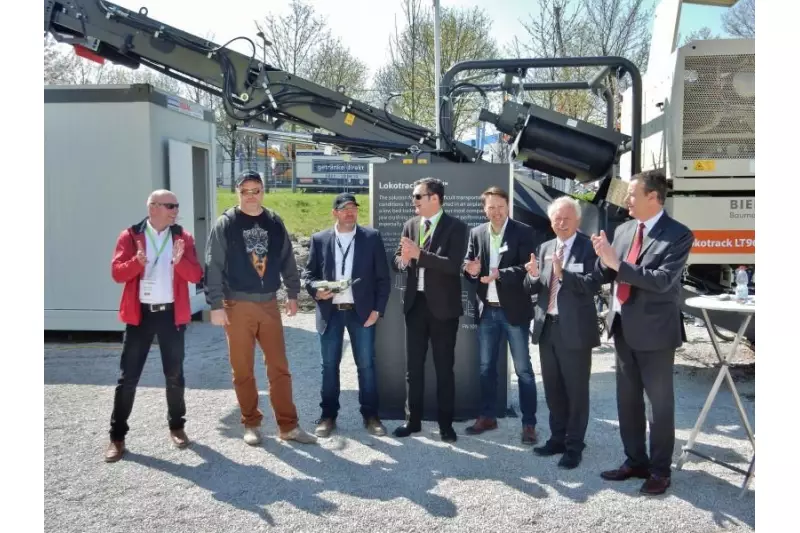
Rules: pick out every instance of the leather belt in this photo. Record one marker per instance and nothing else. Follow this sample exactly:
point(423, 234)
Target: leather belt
point(155, 308)
point(493, 304)
point(552, 318)
point(344, 307)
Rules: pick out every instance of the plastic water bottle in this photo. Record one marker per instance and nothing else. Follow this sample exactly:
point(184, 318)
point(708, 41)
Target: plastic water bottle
point(741, 285)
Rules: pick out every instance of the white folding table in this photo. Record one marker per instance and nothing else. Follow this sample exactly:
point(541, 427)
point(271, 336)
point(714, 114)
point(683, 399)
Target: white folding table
point(747, 310)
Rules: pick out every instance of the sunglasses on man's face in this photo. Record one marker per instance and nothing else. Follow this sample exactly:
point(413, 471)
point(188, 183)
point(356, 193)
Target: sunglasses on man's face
point(419, 196)
point(168, 205)
point(250, 192)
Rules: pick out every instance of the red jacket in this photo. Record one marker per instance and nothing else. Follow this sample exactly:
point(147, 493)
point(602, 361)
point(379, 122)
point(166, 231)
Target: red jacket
point(125, 268)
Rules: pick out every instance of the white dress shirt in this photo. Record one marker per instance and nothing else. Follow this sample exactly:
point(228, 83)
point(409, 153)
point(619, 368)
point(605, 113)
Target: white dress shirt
point(648, 227)
point(344, 244)
point(567, 248)
point(434, 220)
point(494, 261)
point(157, 275)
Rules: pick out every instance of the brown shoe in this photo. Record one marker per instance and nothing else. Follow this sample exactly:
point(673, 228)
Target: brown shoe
point(324, 427)
point(115, 451)
point(625, 472)
point(179, 438)
point(374, 426)
point(655, 485)
point(529, 435)
point(482, 424)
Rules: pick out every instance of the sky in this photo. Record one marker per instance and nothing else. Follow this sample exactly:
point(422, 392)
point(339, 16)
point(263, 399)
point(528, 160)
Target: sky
point(363, 28)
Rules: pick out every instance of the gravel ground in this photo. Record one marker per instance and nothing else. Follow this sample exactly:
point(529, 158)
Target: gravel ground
point(355, 482)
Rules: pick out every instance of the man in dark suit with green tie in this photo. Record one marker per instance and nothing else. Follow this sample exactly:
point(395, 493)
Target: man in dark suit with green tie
point(431, 251)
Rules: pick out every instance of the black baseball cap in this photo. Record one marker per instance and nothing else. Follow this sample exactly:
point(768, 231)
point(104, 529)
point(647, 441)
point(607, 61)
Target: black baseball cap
point(249, 175)
point(343, 199)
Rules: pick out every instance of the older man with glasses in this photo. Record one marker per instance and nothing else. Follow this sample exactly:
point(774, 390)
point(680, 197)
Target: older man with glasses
point(156, 260)
point(248, 255)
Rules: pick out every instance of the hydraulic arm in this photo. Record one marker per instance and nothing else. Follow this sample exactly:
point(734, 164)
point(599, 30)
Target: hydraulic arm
point(252, 92)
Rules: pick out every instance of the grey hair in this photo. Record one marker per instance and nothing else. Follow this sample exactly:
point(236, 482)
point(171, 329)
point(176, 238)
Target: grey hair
point(155, 194)
point(562, 201)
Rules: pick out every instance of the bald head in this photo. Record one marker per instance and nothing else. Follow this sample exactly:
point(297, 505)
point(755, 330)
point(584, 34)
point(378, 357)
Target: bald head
point(162, 209)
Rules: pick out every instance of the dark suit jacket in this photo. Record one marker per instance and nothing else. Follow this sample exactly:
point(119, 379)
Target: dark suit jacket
point(651, 317)
point(369, 264)
point(576, 309)
point(518, 239)
point(442, 264)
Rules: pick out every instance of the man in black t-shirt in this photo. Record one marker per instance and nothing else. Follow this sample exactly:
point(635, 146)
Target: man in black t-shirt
point(248, 254)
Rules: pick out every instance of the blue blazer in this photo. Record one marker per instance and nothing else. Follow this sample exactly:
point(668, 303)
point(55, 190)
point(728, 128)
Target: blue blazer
point(369, 264)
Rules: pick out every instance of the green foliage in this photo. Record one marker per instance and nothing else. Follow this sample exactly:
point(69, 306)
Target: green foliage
point(466, 34)
point(585, 196)
point(303, 213)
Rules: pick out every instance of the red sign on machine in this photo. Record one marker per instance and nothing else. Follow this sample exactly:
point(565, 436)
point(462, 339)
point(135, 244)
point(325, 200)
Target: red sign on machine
point(724, 241)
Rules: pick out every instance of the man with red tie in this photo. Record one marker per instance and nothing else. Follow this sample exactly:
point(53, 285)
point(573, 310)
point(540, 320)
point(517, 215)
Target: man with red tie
point(646, 263)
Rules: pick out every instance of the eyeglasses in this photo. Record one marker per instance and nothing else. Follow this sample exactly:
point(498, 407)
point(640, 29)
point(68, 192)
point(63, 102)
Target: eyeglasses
point(249, 192)
point(168, 205)
point(419, 196)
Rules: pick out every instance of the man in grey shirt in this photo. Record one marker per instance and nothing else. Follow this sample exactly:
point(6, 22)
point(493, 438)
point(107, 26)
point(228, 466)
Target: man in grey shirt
point(248, 254)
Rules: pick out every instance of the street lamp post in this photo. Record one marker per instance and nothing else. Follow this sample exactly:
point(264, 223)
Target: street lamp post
point(267, 166)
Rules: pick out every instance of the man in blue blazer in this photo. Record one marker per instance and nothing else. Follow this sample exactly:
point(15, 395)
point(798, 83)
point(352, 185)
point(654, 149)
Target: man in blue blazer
point(348, 251)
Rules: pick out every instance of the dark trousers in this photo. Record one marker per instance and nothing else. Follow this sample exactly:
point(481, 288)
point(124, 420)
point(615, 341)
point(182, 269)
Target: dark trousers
point(565, 374)
point(135, 347)
point(363, 342)
point(422, 327)
point(651, 372)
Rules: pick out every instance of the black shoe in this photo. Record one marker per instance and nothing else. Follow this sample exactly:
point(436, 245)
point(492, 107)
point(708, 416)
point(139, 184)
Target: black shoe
point(407, 429)
point(550, 448)
point(448, 434)
point(571, 459)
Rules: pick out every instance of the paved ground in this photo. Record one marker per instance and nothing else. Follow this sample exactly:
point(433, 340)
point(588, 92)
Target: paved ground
point(354, 482)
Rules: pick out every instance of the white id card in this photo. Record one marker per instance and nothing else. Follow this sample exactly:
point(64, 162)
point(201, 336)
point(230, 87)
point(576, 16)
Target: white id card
point(575, 267)
point(148, 287)
point(502, 249)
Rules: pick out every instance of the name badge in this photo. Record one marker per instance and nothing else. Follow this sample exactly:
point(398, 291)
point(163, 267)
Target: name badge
point(577, 268)
point(148, 288)
point(503, 248)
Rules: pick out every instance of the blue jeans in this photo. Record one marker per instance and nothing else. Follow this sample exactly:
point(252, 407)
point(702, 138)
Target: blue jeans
point(363, 342)
point(490, 333)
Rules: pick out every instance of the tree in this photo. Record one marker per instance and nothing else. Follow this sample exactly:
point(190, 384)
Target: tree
point(572, 28)
point(301, 44)
point(58, 66)
point(740, 20)
point(410, 73)
point(703, 34)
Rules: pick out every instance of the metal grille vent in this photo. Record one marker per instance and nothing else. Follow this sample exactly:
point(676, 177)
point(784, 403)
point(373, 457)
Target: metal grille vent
point(719, 118)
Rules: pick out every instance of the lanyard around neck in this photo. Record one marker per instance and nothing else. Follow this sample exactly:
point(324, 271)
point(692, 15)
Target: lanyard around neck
point(345, 252)
point(423, 235)
point(160, 249)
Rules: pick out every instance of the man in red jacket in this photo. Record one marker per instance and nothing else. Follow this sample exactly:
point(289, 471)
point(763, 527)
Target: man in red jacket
point(156, 260)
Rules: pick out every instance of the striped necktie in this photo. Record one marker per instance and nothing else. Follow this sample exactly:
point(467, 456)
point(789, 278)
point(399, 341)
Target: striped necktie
point(426, 244)
point(554, 285)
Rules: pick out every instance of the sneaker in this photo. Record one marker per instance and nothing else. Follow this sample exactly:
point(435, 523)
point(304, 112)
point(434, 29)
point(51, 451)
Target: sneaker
point(374, 426)
point(252, 436)
point(324, 427)
point(297, 434)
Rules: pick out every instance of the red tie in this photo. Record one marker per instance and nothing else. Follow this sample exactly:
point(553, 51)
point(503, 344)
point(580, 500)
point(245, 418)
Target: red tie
point(624, 289)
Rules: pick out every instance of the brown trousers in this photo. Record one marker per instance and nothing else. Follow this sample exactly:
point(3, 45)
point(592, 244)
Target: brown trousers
point(251, 321)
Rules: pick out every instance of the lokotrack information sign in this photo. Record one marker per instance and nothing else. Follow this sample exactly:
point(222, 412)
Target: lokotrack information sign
point(391, 185)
